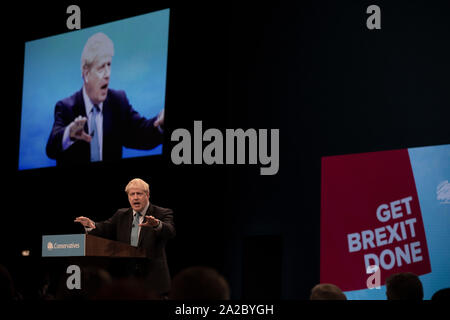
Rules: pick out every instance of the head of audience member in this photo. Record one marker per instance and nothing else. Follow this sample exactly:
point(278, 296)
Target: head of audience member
point(7, 289)
point(404, 286)
point(327, 291)
point(199, 283)
point(96, 60)
point(441, 295)
point(128, 288)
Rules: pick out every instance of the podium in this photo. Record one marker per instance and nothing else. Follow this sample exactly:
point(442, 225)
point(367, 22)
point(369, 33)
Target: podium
point(90, 254)
point(86, 245)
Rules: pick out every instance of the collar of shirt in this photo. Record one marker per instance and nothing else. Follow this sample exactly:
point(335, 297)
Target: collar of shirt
point(88, 103)
point(143, 212)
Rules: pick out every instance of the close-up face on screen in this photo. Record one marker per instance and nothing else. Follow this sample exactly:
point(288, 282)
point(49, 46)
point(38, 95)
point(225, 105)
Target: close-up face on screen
point(128, 55)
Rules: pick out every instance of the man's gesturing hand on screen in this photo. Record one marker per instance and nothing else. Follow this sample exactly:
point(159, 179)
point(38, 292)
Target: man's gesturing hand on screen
point(77, 129)
point(160, 120)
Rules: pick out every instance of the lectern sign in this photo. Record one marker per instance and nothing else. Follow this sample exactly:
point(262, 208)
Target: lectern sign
point(87, 245)
point(66, 245)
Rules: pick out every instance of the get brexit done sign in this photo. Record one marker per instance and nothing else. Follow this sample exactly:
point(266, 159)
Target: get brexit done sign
point(387, 210)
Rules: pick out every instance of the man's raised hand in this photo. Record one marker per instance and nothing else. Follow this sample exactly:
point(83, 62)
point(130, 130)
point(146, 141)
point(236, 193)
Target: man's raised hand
point(77, 129)
point(86, 222)
point(150, 221)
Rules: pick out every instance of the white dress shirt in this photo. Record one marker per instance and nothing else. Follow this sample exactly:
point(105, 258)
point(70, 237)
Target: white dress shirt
point(142, 217)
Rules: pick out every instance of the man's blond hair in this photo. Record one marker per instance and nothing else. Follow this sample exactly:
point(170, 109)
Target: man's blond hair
point(138, 184)
point(99, 44)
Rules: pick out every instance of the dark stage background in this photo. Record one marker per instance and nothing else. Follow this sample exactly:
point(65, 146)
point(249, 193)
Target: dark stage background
point(309, 68)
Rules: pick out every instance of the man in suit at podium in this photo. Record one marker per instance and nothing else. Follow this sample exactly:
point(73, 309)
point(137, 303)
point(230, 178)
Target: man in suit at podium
point(143, 225)
point(96, 122)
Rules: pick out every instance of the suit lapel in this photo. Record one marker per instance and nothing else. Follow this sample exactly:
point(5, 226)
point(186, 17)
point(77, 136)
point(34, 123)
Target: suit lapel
point(145, 230)
point(128, 221)
point(80, 108)
point(107, 126)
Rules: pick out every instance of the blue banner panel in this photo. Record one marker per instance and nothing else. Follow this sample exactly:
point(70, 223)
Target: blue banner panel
point(65, 245)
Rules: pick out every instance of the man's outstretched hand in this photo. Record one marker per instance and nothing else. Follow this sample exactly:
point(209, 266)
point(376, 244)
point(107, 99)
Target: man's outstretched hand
point(150, 221)
point(76, 128)
point(86, 222)
point(160, 120)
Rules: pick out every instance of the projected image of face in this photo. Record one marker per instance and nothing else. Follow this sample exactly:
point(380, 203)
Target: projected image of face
point(138, 198)
point(66, 74)
point(96, 79)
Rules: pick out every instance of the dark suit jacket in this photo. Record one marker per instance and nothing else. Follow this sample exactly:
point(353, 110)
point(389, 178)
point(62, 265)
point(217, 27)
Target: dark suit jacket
point(118, 228)
point(122, 126)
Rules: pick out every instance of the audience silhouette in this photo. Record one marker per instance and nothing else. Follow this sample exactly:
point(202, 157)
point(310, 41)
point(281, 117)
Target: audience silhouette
point(327, 291)
point(404, 286)
point(199, 283)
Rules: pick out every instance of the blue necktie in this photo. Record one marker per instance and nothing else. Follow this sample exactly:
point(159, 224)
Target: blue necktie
point(95, 146)
point(135, 230)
